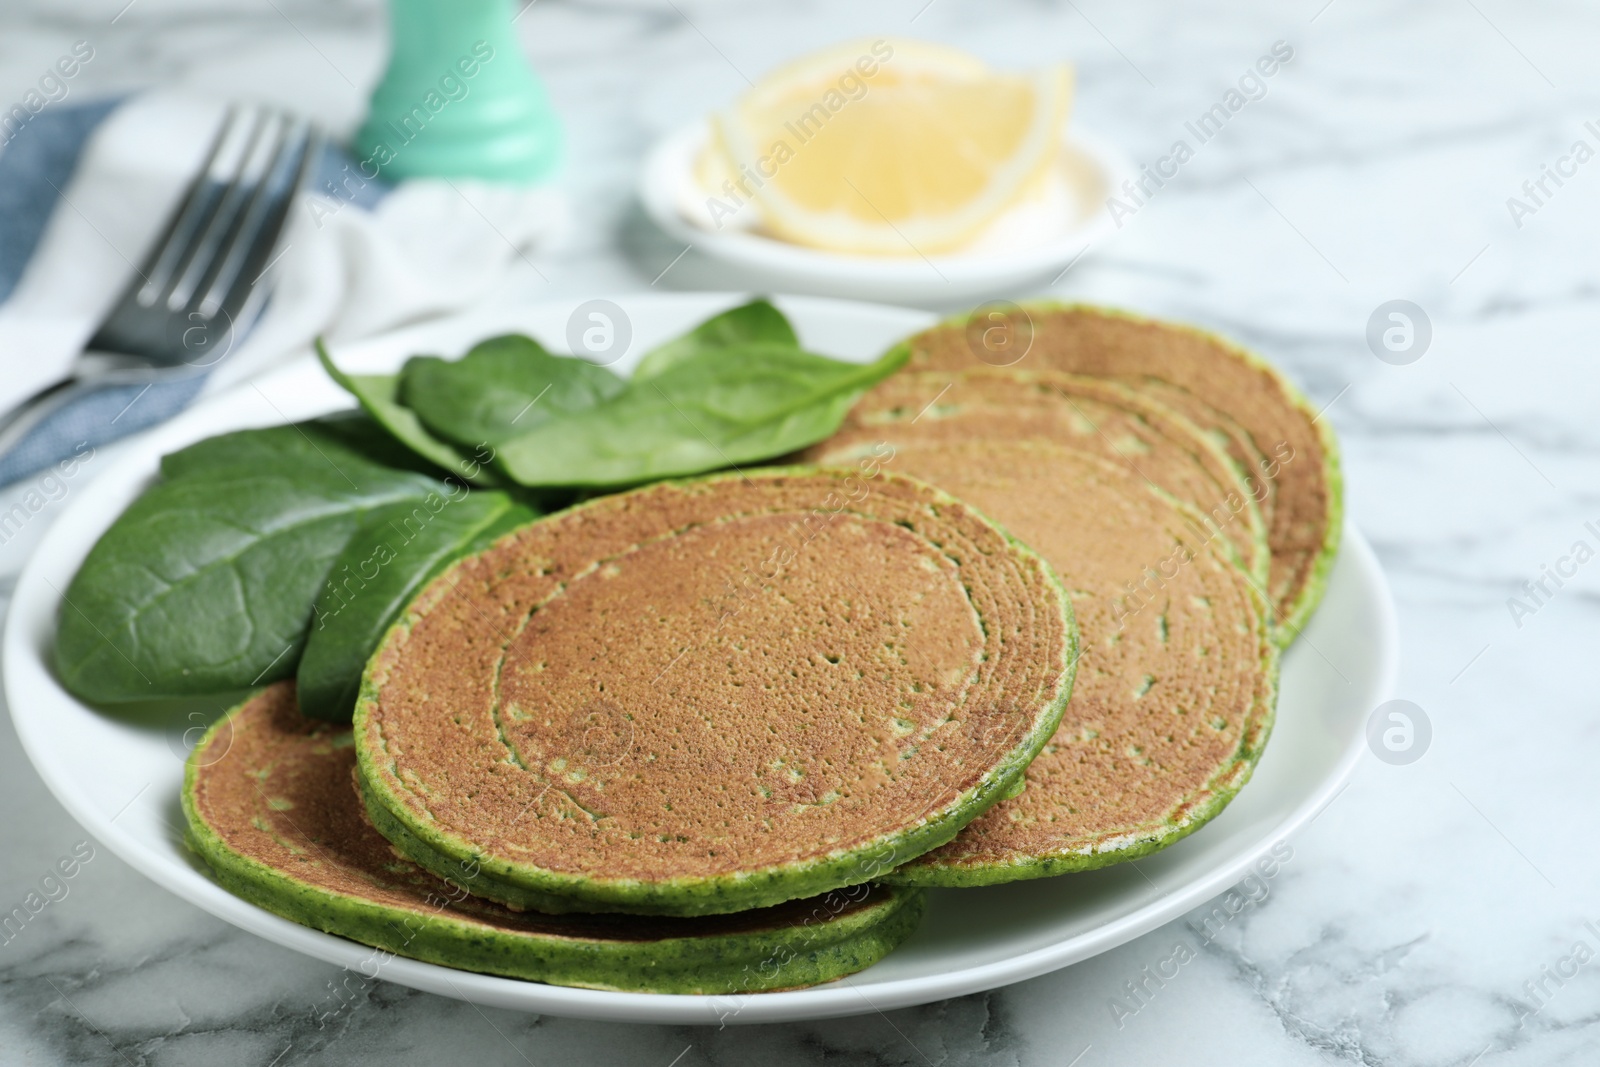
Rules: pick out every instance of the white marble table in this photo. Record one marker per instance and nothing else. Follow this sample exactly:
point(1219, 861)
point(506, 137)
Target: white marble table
point(1433, 914)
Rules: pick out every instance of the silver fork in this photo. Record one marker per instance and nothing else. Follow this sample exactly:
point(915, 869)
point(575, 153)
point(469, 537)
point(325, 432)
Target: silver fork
point(197, 289)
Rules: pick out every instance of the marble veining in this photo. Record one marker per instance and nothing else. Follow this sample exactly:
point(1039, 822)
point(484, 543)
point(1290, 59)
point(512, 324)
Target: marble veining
point(1432, 915)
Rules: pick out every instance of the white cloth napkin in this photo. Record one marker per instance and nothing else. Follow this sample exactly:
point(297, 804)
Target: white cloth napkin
point(354, 261)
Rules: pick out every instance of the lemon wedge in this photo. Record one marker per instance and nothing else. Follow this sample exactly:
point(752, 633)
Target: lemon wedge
point(885, 147)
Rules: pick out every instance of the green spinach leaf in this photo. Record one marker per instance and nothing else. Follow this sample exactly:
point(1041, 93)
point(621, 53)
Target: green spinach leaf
point(331, 439)
point(392, 554)
point(502, 387)
point(379, 396)
point(755, 323)
point(206, 582)
point(702, 414)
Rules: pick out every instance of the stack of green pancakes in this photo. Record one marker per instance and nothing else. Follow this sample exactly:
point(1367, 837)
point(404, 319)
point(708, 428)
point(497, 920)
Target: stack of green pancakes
point(716, 735)
point(677, 725)
point(1190, 502)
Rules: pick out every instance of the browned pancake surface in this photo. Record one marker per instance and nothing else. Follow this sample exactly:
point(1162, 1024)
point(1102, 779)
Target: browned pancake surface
point(1082, 340)
point(1173, 691)
point(1099, 416)
point(704, 678)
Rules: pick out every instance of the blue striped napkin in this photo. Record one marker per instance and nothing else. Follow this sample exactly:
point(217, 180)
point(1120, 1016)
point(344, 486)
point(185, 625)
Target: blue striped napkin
point(41, 159)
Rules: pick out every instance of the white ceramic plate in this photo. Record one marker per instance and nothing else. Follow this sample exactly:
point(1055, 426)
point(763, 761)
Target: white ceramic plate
point(1093, 166)
point(121, 781)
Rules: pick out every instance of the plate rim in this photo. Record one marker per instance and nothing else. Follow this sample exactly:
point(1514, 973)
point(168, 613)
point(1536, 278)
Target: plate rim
point(841, 998)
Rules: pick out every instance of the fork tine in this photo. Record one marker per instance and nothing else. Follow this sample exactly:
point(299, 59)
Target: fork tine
point(265, 141)
point(263, 218)
point(217, 246)
point(199, 200)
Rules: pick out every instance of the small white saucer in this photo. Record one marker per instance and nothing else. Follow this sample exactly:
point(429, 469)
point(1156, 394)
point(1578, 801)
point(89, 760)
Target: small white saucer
point(1094, 166)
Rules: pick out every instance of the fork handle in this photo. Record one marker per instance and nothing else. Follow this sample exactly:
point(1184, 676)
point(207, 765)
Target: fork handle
point(94, 371)
point(33, 411)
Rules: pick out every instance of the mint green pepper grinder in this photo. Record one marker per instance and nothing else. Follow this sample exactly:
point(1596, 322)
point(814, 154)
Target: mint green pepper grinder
point(458, 99)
